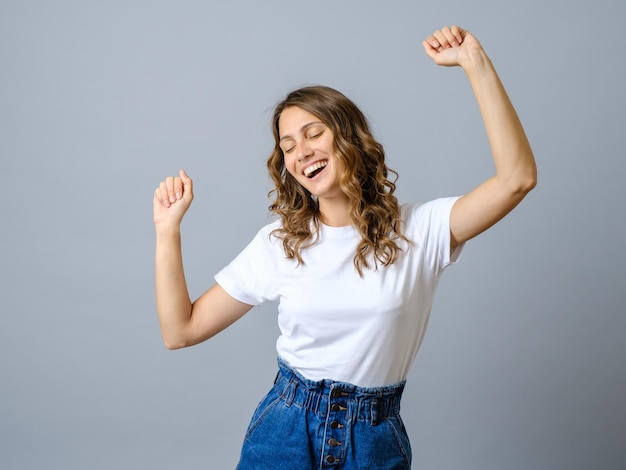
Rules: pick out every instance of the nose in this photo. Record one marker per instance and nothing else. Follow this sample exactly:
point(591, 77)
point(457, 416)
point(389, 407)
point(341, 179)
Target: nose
point(303, 150)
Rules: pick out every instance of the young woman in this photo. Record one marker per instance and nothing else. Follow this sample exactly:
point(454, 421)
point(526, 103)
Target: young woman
point(353, 271)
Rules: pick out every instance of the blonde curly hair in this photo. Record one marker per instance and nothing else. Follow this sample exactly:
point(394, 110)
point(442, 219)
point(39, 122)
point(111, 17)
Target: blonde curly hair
point(374, 210)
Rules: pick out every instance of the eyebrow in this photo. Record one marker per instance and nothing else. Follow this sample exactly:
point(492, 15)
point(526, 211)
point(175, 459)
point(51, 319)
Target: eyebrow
point(302, 129)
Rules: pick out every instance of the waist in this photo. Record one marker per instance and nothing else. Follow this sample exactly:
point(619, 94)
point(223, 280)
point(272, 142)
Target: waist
point(324, 396)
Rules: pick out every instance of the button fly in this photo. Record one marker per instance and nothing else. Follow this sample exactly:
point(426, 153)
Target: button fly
point(337, 407)
point(333, 442)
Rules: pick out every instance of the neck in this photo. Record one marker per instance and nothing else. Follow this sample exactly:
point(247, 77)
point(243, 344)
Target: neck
point(335, 212)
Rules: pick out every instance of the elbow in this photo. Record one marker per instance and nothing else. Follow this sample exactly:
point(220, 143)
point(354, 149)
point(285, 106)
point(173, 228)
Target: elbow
point(528, 184)
point(520, 189)
point(174, 343)
point(526, 180)
point(172, 346)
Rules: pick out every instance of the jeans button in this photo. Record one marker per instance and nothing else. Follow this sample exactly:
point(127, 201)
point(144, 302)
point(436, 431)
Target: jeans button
point(334, 424)
point(333, 442)
point(335, 407)
point(330, 459)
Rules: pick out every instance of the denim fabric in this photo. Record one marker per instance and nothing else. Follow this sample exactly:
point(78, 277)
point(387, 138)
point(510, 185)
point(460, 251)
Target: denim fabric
point(301, 424)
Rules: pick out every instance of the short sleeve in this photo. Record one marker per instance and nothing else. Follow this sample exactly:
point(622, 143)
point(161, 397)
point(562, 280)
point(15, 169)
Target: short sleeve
point(429, 224)
point(247, 277)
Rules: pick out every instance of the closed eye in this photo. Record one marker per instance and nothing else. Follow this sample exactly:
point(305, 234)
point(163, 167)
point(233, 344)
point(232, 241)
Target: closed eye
point(287, 145)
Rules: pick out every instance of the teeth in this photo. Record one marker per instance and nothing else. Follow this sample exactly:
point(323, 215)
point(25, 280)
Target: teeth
point(315, 166)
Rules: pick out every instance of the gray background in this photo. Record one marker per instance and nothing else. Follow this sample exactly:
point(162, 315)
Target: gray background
point(524, 363)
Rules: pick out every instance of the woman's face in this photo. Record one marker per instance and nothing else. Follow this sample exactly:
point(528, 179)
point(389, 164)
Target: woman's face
point(309, 153)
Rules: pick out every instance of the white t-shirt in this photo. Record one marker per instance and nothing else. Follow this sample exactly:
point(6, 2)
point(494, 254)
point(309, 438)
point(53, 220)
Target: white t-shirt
point(335, 324)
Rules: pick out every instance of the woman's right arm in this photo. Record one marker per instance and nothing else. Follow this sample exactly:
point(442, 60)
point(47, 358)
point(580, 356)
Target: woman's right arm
point(184, 323)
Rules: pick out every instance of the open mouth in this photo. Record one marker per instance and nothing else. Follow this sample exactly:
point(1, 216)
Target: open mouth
point(315, 169)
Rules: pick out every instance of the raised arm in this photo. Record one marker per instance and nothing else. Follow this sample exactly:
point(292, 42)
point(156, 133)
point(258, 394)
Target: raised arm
point(184, 323)
point(515, 169)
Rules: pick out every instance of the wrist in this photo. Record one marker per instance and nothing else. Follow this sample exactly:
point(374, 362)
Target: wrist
point(476, 62)
point(166, 229)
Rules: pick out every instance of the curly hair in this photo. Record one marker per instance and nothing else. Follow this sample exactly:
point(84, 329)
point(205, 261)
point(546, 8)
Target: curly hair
point(374, 210)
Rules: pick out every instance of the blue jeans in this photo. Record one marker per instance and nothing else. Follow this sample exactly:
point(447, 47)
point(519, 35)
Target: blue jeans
point(302, 424)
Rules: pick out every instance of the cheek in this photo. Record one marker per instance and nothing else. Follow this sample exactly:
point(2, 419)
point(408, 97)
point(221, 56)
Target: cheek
point(339, 163)
point(290, 165)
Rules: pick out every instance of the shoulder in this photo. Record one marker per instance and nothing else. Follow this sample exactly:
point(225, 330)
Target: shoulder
point(422, 216)
point(268, 228)
point(415, 210)
point(262, 240)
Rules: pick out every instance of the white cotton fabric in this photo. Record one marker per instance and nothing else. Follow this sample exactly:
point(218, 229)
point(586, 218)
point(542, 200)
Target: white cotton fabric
point(335, 324)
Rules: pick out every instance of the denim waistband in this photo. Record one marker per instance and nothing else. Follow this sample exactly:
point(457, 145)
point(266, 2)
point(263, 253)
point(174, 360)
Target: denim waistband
point(361, 403)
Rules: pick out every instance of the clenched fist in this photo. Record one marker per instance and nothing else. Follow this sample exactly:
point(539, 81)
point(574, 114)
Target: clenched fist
point(172, 199)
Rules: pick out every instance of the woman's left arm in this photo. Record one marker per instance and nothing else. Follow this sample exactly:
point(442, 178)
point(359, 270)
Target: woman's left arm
point(515, 169)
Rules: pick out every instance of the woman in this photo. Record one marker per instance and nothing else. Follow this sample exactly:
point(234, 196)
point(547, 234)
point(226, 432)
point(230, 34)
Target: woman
point(354, 272)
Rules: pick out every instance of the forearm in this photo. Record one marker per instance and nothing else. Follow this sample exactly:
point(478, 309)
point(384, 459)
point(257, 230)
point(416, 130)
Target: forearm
point(172, 297)
point(512, 154)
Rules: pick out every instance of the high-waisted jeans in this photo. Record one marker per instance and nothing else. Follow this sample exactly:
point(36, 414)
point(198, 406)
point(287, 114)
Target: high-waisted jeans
point(302, 424)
